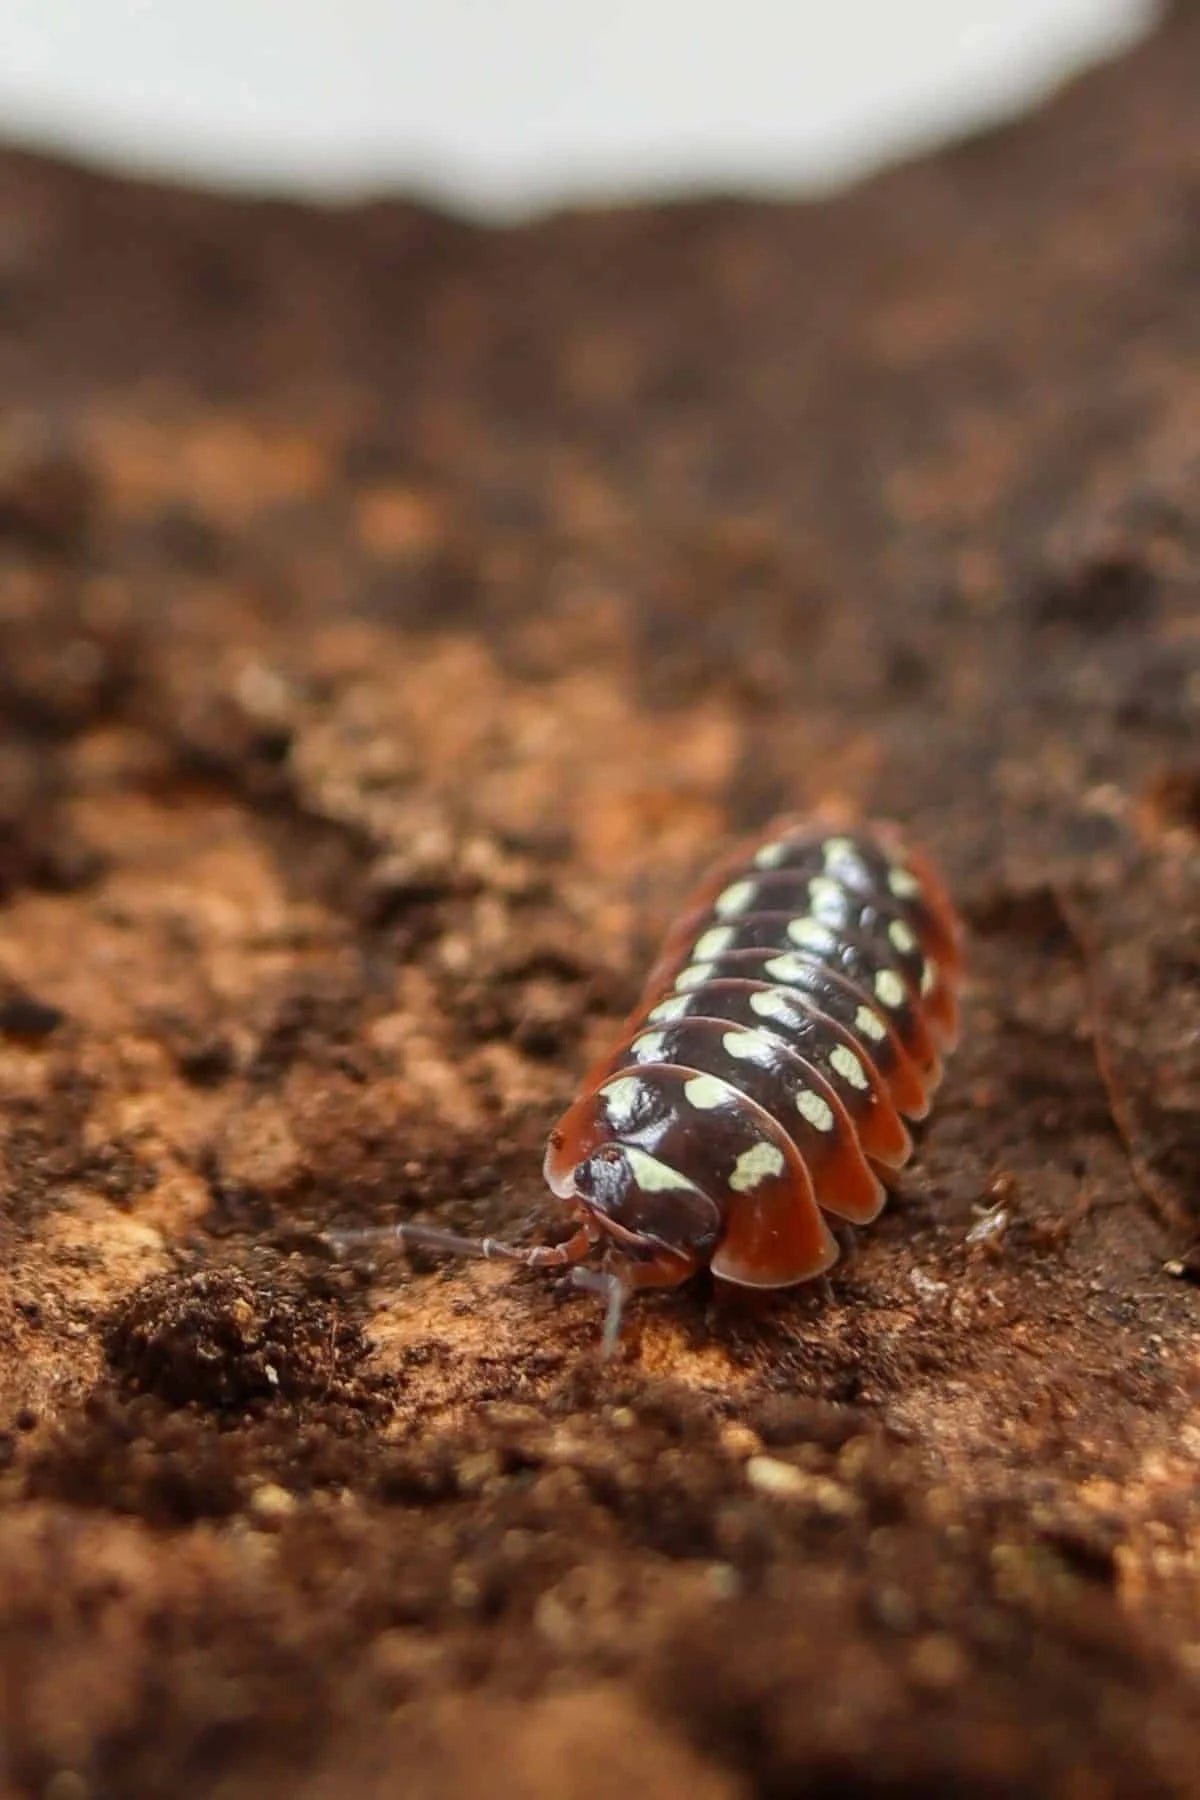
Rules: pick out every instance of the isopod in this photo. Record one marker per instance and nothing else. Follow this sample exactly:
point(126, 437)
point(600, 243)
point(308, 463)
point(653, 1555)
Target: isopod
point(795, 1019)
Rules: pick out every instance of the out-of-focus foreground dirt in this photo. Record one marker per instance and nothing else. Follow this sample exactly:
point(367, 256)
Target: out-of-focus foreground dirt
point(394, 616)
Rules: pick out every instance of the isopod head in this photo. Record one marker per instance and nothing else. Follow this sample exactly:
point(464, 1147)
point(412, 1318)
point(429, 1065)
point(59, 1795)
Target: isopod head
point(643, 1205)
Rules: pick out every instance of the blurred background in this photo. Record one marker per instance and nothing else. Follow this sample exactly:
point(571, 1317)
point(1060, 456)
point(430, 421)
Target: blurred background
point(502, 107)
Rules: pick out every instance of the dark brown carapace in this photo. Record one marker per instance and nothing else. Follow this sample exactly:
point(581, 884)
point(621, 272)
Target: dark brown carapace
point(796, 1016)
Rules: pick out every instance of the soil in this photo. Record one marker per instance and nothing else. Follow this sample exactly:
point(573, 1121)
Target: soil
point(395, 615)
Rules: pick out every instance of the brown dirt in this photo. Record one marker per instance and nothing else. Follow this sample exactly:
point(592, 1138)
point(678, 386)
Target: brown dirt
point(393, 617)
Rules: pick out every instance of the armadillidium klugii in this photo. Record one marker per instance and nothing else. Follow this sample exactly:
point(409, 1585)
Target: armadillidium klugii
point(797, 1014)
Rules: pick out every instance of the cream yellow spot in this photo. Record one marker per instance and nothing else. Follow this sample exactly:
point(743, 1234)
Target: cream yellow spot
point(889, 988)
point(817, 1111)
point(650, 1047)
point(811, 936)
point(673, 1007)
point(902, 937)
point(621, 1099)
point(928, 978)
point(652, 1176)
point(904, 885)
point(826, 896)
point(714, 942)
point(846, 1064)
point(772, 1003)
point(770, 856)
point(695, 975)
point(870, 1024)
point(788, 968)
point(759, 1163)
point(837, 849)
point(705, 1092)
point(735, 899)
point(747, 1046)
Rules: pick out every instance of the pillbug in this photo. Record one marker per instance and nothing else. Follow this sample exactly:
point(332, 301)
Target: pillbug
point(797, 1015)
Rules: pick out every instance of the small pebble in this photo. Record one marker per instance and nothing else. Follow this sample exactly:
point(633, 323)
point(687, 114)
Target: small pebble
point(270, 1501)
point(738, 1439)
point(937, 1661)
point(783, 1481)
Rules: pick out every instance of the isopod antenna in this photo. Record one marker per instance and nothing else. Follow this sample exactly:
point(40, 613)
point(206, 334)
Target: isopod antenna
point(450, 1243)
point(567, 1255)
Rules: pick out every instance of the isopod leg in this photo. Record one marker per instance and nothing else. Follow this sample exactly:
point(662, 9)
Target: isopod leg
point(615, 1291)
point(616, 1285)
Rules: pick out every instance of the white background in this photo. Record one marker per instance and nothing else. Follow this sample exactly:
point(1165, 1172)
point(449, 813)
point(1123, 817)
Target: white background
point(503, 106)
